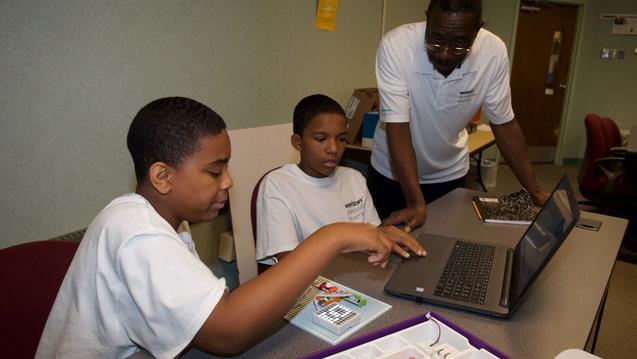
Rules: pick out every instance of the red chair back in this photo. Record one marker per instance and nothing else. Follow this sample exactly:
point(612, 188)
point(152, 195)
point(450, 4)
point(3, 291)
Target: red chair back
point(253, 215)
point(30, 277)
point(601, 134)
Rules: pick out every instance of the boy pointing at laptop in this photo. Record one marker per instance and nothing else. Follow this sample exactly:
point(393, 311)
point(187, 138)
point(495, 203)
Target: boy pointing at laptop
point(136, 284)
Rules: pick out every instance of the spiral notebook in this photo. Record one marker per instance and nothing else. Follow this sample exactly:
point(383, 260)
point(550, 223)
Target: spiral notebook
point(513, 208)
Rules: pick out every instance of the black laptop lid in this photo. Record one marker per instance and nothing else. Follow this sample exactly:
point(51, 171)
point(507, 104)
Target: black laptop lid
point(543, 237)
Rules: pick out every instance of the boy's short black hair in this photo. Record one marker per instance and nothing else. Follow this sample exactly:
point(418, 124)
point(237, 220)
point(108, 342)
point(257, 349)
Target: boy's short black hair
point(470, 6)
point(169, 130)
point(312, 106)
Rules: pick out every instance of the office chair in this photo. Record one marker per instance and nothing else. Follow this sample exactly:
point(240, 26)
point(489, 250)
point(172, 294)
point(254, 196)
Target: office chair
point(253, 216)
point(608, 178)
point(30, 276)
point(604, 179)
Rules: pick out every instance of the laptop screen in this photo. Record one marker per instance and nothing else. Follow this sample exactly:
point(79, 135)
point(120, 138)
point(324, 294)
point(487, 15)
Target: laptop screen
point(544, 236)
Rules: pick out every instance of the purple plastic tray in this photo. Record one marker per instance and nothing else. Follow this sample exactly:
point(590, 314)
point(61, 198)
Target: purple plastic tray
point(354, 342)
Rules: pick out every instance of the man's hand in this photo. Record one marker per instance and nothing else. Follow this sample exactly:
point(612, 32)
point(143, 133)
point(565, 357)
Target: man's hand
point(539, 197)
point(403, 159)
point(411, 217)
point(513, 148)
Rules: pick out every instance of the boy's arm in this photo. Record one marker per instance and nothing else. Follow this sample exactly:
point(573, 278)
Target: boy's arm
point(254, 310)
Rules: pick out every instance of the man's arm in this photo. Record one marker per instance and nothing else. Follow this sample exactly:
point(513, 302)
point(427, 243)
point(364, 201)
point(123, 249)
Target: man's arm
point(403, 161)
point(512, 145)
point(255, 309)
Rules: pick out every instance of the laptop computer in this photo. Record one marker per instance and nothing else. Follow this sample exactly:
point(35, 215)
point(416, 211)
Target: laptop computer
point(484, 277)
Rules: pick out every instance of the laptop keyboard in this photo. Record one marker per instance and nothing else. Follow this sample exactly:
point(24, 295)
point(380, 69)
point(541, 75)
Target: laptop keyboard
point(466, 274)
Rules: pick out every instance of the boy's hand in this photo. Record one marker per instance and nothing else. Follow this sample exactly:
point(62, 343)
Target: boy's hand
point(377, 242)
point(403, 239)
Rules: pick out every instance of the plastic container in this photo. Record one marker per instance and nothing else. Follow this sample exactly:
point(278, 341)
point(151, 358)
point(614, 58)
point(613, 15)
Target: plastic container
point(489, 171)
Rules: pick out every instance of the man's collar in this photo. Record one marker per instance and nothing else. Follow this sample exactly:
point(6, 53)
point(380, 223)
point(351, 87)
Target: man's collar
point(422, 64)
point(425, 67)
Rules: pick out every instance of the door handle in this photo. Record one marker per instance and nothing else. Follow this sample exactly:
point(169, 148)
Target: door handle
point(562, 86)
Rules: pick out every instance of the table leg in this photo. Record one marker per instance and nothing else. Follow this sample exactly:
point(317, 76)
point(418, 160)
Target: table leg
point(479, 171)
point(592, 336)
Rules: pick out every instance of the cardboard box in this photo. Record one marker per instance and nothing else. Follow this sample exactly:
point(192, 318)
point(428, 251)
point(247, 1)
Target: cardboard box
point(362, 100)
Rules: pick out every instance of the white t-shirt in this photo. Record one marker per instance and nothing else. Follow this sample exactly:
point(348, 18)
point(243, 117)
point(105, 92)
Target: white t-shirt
point(437, 108)
point(292, 205)
point(133, 282)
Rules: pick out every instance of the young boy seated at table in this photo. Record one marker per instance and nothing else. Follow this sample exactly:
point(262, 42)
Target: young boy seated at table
point(297, 199)
point(136, 284)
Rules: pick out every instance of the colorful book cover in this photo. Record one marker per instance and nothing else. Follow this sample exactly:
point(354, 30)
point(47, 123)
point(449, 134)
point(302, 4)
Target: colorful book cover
point(303, 312)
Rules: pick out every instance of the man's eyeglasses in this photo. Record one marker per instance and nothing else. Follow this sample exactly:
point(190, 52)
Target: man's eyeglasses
point(454, 50)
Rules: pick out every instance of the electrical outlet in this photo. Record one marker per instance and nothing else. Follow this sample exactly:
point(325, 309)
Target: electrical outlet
point(620, 54)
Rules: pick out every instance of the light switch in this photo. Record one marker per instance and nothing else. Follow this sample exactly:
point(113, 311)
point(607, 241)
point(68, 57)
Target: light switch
point(613, 54)
point(608, 54)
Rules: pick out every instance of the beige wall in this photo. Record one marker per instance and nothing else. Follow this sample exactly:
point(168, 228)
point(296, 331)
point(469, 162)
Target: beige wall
point(398, 12)
point(75, 73)
point(611, 87)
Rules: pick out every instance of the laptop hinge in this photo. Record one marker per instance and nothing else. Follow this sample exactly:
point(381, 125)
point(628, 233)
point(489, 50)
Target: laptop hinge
point(506, 287)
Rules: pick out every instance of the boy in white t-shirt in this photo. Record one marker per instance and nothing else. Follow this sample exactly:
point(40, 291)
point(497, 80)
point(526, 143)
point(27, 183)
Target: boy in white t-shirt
point(136, 284)
point(296, 200)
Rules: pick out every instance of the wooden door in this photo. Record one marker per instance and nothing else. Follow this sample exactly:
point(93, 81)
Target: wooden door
point(543, 47)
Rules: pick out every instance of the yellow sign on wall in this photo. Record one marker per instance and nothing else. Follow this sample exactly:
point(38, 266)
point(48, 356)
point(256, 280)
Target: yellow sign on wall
point(326, 14)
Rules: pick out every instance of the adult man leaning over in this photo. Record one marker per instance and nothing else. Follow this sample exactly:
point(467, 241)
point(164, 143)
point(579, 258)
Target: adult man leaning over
point(432, 77)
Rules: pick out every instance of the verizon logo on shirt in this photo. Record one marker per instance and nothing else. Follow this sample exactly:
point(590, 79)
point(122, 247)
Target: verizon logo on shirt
point(355, 209)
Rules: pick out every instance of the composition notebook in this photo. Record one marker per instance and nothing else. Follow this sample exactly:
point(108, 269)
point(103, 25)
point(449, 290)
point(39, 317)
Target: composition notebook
point(333, 322)
point(513, 208)
point(487, 278)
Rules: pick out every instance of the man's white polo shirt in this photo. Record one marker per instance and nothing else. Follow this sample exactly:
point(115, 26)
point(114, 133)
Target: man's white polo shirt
point(437, 108)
